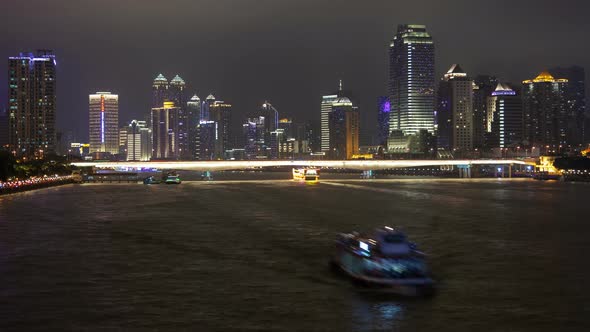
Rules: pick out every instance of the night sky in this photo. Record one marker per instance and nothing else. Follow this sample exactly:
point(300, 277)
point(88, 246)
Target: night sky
point(289, 52)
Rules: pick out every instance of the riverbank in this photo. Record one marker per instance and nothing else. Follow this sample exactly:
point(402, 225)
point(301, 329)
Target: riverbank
point(33, 184)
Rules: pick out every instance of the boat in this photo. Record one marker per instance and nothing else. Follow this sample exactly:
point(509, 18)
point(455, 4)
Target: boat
point(151, 180)
point(172, 179)
point(307, 175)
point(384, 259)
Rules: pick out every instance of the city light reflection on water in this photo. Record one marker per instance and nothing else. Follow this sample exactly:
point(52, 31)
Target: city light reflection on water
point(252, 255)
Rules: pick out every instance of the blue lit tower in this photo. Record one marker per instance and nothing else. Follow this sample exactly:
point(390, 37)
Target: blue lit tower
point(411, 80)
point(32, 104)
point(384, 108)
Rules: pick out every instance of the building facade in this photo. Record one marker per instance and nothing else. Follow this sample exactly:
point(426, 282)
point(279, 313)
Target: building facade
point(483, 86)
point(411, 80)
point(504, 119)
point(455, 111)
point(578, 133)
point(220, 112)
point(32, 104)
point(139, 147)
point(165, 132)
point(193, 107)
point(545, 112)
point(104, 123)
point(159, 91)
point(383, 111)
point(344, 125)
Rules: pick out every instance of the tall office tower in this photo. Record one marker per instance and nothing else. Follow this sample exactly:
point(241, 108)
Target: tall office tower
point(138, 141)
point(193, 107)
point(411, 80)
point(159, 91)
point(220, 112)
point(384, 108)
point(504, 118)
point(206, 106)
point(578, 133)
point(286, 124)
point(253, 131)
point(104, 122)
point(177, 95)
point(326, 107)
point(545, 112)
point(165, 131)
point(483, 86)
point(455, 111)
point(344, 123)
point(32, 104)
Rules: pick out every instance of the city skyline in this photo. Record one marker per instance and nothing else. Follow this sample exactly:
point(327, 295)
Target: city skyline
point(294, 71)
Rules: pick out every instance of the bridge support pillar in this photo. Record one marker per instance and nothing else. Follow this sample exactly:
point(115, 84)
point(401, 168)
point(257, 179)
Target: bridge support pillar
point(464, 171)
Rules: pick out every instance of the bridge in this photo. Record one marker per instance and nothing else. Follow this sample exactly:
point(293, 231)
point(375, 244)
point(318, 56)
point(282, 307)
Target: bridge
point(363, 165)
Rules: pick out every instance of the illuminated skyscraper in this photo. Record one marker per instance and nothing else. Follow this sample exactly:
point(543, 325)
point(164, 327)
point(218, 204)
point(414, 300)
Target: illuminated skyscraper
point(411, 80)
point(205, 107)
point(504, 118)
point(177, 95)
point(483, 86)
point(104, 122)
point(139, 147)
point(32, 104)
point(165, 132)
point(220, 112)
point(207, 136)
point(455, 111)
point(326, 108)
point(344, 124)
point(193, 118)
point(545, 112)
point(159, 91)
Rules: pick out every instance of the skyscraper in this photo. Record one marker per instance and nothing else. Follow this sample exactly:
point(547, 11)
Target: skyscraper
point(159, 91)
point(504, 119)
point(253, 131)
point(177, 95)
point(483, 86)
point(384, 108)
point(455, 111)
point(193, 118)
point(104, 122)
point(411, 80)
point(32, 104)
point(326, 108)
point(545, 112)
point(165, 131)
point(344, 125)
point(207, 136)
point(578, 133)
point(138, 141)
point(220, 112)
point(205, 107)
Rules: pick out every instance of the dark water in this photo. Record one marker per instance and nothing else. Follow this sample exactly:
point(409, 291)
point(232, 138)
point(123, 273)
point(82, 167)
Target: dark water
point(235, 256)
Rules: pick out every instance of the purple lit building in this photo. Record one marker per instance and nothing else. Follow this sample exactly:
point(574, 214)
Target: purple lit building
point(383, 120)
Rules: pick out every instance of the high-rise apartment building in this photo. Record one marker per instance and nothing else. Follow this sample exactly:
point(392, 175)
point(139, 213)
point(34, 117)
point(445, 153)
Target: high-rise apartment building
point(411, 80)
point(139, 147)
point(504, 119)
point(327, 107)
point(104, 122)
point(545, 112)
point(32, 104)
point(177, 95)
point(207, 136)
point(455, 111)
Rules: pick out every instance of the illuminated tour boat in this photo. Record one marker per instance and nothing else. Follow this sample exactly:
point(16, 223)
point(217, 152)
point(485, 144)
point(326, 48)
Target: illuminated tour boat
point(384, 259)
point(308, 175)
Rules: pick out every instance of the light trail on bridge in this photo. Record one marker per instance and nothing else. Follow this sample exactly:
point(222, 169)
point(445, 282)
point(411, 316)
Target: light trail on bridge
point(364, 165)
